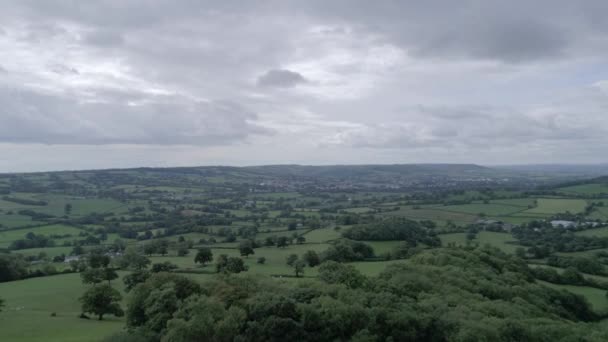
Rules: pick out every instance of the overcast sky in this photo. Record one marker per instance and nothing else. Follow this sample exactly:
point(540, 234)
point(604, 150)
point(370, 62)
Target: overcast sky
point(101, 84)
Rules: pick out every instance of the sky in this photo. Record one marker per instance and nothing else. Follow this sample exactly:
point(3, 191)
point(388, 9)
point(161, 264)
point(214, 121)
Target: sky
point(129, 83)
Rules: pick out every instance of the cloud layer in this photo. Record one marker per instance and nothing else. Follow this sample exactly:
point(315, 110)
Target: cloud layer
point(310, 82)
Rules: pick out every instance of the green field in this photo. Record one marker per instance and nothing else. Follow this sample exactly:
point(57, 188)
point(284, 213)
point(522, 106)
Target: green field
point(490, 209)
point(6, 237)
point(436, 215)
point(30, 302)
point(323, 235)
point(586, 189)
point(557, 205)
point(495, 239)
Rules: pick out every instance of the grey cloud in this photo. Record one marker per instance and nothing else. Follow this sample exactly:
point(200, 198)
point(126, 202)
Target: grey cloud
point(28, 116)
point(104, 38)
point(280, 78)
point(480, 127)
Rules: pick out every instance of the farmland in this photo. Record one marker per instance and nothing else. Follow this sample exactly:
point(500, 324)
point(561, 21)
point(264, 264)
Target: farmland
point(54, 222)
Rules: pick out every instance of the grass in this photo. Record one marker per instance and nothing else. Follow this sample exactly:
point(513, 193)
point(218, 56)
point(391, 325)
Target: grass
point(490, 209)
point(15, 220)
point(557, 205)
point(323, 235)
point(30, 302)
point(433, 214)
point(495, 239)
point(6, 237)
point(586, 189)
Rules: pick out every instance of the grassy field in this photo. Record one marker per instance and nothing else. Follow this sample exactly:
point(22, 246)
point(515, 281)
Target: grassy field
point(6, 237)
point(557, 205)
point(499, 240)
point(436, 215)
point(30, 302)
point(586, 189)
point(595, 297)
point(323, 235)
point(490, 209)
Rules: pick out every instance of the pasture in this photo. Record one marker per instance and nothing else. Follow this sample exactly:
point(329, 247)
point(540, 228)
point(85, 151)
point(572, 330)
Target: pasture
point(30, 302)
point(557, 205)
point(503, 241)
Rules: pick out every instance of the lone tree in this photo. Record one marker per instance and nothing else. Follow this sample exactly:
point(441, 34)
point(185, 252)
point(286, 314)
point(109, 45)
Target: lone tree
point(1, 303)
point(312, 258)
point(298, 267)
point(203, 256)
point(246, 248)
point(291, 259)
point(67, 209)
point(296, 263)
point(282, 241)
point(227, 264)
point(101, 300)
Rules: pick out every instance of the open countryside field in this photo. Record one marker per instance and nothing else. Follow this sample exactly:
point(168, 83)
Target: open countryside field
point(30, 303)
point(557, 205)
point(198, 215)
point(586, 189)
point(503, 241)
point(6, 237)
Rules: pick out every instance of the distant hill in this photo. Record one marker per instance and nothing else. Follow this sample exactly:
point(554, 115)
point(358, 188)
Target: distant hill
point(363, 171)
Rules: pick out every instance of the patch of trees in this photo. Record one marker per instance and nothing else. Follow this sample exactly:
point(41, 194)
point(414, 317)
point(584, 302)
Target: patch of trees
point(32, 240)
point(100, 299)
point(437, 295)
point(347, 250)
point(570, 276)
point(25, 201)
point(539, 237)
point(394, 229)
point(34, 214)
point(585, 265)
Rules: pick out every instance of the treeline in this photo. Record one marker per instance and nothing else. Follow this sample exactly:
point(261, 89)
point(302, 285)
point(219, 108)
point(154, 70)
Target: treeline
point(437, 295)
point(543, 240)
point(25, 201)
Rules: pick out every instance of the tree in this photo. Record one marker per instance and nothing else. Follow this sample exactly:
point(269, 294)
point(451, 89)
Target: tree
point(203, 256)
point(101, 300)
point(333, 272)
point(97, 275)
point(1, 304)
point(300, 239)
point(182, 250)
point(163, 267)
point(311, 258)
point(137, 277)
point(67, 209)
point(246, 248)
point(227, 264)
point(520, 252)
point(235, 265)
point(282, 241)
point(291, 259)
point(133, 259)
point(298, 267)
point(12, 267)
point(261, 260)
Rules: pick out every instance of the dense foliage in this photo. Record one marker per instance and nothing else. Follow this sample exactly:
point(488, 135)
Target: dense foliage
point(393, 229)
point(439, 295)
